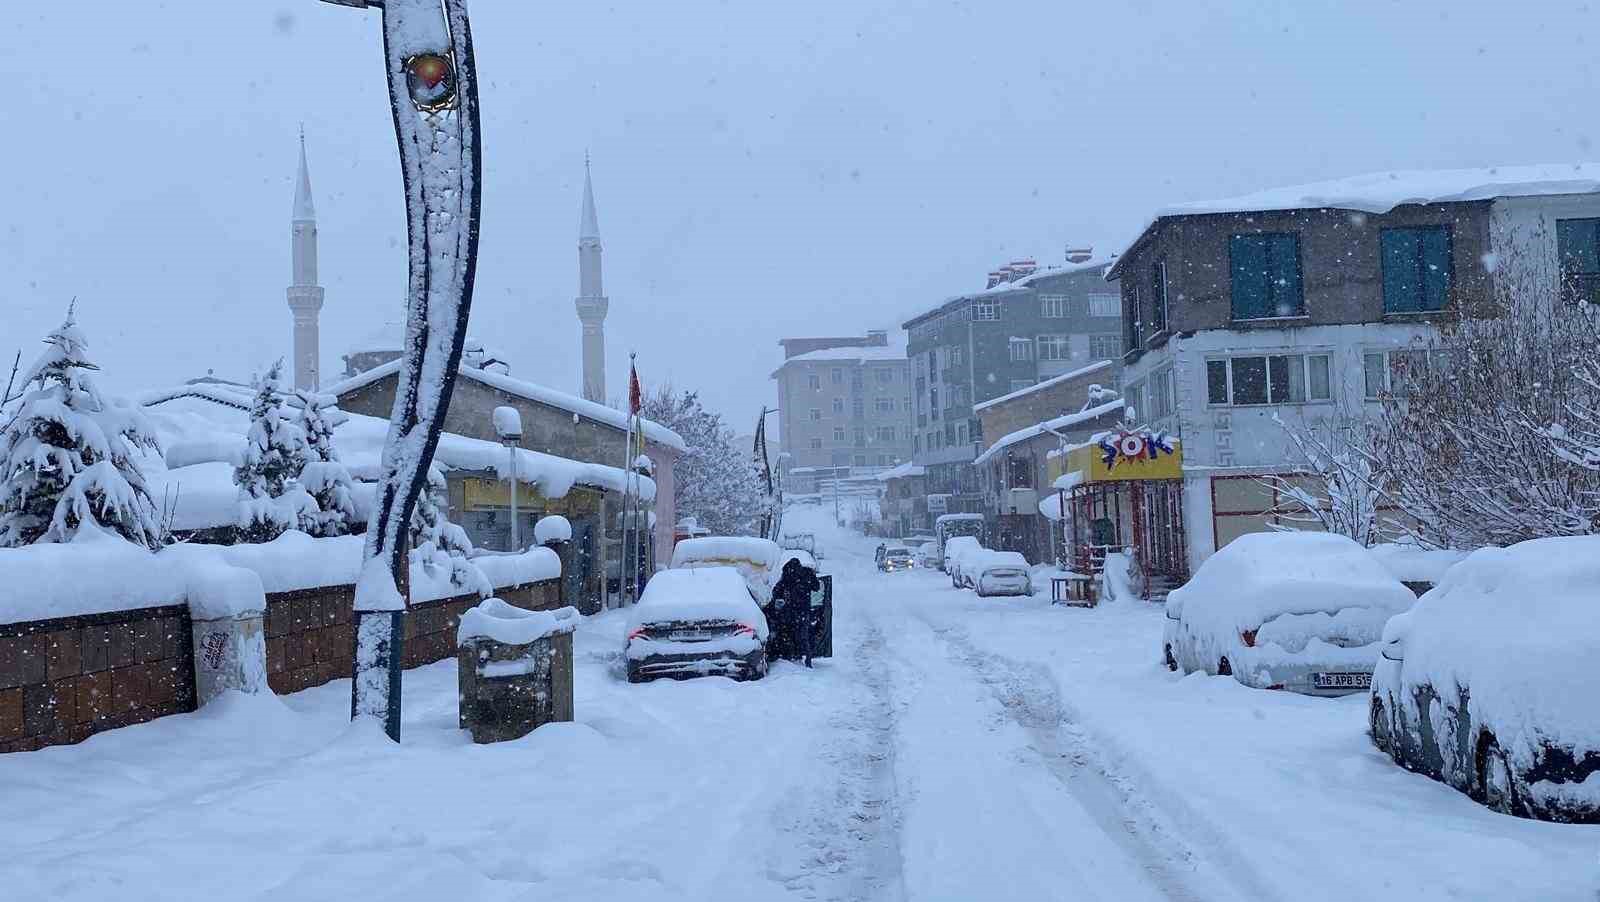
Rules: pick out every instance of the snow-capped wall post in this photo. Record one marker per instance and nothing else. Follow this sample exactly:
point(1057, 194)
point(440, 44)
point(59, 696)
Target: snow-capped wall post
point(433, 95)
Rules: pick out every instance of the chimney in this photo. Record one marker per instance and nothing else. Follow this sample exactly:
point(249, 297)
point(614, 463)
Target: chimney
point(996, 276)
point(1079, 254)
point(1017, 269)
point(877, 338)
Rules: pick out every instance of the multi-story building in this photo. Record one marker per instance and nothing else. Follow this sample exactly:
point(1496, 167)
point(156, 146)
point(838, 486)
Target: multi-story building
point(1028, 325)
point(844, 405)
point(1295, 305)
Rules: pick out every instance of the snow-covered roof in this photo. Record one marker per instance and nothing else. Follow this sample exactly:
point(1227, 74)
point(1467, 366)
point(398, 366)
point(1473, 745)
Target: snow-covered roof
point(903, 471)
point(1040, 386)
point(1380, 192)
point(655, 432)
point(1025, 283)
point(1057, 424)
point(894, 350)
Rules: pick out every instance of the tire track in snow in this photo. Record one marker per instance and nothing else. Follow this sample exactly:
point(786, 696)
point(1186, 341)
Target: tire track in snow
point(1028, 696)
point(845, 838)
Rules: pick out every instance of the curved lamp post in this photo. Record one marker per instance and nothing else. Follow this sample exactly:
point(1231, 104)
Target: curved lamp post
point(433, 94)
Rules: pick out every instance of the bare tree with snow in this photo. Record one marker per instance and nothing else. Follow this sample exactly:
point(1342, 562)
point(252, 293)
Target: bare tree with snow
point(1341, 489)
point(714, 480)
point(68, 455)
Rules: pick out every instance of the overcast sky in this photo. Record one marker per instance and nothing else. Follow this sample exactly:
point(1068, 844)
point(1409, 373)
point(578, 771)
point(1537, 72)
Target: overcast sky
point(762, 170)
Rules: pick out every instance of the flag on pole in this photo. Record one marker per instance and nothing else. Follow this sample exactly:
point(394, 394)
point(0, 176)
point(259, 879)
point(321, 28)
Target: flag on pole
point(635, 396)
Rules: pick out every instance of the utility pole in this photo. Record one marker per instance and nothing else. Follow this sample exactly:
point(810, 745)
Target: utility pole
point(433, 96)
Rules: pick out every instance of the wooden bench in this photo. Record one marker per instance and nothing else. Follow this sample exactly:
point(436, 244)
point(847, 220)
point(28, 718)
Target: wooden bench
point(1073, 589)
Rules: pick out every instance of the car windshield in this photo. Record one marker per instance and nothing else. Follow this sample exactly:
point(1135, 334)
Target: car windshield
point(378, 377)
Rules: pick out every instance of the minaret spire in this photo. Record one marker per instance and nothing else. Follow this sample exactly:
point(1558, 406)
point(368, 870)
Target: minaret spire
point(305, 295)
point(592, 303)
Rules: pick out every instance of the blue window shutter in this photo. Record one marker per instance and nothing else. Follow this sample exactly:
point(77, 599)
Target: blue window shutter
point(1248, 269)
point(1400, 284)
point(1285, 287)
point(1436, 264)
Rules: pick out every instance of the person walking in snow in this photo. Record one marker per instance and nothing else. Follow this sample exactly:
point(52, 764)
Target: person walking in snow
point(791, 598)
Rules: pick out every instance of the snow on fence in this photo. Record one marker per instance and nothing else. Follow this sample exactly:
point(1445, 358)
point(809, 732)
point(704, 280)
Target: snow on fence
point(98, 634)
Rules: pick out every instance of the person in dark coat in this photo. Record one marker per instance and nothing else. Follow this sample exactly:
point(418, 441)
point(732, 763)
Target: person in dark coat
point(792, 599)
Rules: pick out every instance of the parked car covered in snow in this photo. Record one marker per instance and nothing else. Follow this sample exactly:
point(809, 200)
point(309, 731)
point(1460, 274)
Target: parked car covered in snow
point(1300, 611)
point(896, 557)
point(955, 548)
point(696, 622)
point(1420, 569)
point(1490, 682)
point(757, 560)
point(998, 573)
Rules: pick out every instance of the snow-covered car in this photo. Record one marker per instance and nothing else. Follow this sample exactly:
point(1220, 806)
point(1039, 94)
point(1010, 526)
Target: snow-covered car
point(999, 573)
point(1489, 682)
point(896, 557)
point(696, 622)
point(1300, 611)
point(1420, 569)
point(954, 548)
point(757, 560)
point(928, 556)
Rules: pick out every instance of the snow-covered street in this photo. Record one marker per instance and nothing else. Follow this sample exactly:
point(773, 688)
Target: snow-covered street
point(955, 748)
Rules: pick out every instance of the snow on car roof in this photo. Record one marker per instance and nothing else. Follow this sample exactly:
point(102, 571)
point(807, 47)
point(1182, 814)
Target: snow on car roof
point(1413, 563)
point(1260, 576)
point(702, 593)
point(726, 548)
point(1515, 627)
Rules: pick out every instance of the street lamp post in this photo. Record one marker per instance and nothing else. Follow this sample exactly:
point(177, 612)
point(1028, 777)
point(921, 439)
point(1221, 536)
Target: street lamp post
point(508, 425)
point(433, 96)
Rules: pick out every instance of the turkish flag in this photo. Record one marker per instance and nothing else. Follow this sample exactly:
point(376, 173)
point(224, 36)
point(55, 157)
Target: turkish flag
point(635, 396)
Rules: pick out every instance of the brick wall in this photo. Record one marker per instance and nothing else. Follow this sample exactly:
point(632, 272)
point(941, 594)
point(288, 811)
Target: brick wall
point(63, 680)
point(309, 637)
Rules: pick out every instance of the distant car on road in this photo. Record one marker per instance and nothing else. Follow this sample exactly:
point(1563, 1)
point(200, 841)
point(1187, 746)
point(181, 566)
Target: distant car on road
point(928, 556)
point(998, 573)
point(696, 622)
point(896, 557)
point(1300, 611)
point(1489, 682)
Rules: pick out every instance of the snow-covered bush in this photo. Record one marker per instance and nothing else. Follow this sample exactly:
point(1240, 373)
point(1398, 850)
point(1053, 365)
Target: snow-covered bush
point(67, 454)
point(324, 477)
point(440, 548)
point(713, 481)
point(271, 499)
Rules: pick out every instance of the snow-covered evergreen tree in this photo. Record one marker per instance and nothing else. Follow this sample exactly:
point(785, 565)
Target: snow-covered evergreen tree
point(714, 481)
point(441, 547)
point(67, 454)
point(324, 477)
point(271, 500)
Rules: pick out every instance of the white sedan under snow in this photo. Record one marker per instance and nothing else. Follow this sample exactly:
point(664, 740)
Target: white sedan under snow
point(1299, 611)
point(999, 573)
point(696, 622)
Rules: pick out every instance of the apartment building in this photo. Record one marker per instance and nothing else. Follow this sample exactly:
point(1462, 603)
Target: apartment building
point(844, 404)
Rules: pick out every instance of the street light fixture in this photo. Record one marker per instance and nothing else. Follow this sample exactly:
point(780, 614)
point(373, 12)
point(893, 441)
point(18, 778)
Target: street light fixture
point(508, 425)
point(433, 96)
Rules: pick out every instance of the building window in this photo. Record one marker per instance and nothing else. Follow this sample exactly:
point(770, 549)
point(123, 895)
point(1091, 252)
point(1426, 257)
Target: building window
point(1266, 280)
point(816, 444)
point(885, 375)
point(885, 433)
point(905, 433)
point(1578, 246)
point(884, 405)
point(957, 355)
point(814, 381)
point(1054, 347)
point(916, 444)
point(838, 405)
point(1104, 347)
point(883, 460)
point(861, 437)
point(1163, 397)
point(984, 310)
point(961, 433)
point(861, 460)
point(1020, 384)
point(1416, 269)
point(1275, 379)
point(1052, 306)
point(1158, 285)
point(1130, 319)
point(838, 433)
point(816, 413)
point(1388, 373)
point(837, 376)
point(1021, 350)
point(1104, 303)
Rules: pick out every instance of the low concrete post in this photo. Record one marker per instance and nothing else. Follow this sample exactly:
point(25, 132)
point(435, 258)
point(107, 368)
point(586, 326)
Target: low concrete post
point(514, 668)
point(229, 653)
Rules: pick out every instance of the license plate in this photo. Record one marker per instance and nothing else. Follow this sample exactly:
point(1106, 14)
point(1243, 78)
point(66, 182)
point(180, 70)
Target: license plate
point(1341, 680)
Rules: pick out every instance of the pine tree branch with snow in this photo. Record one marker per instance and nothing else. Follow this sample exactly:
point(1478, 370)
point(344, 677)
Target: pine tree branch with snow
point(271, 498)
point(324, 477)
point(68, 456)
